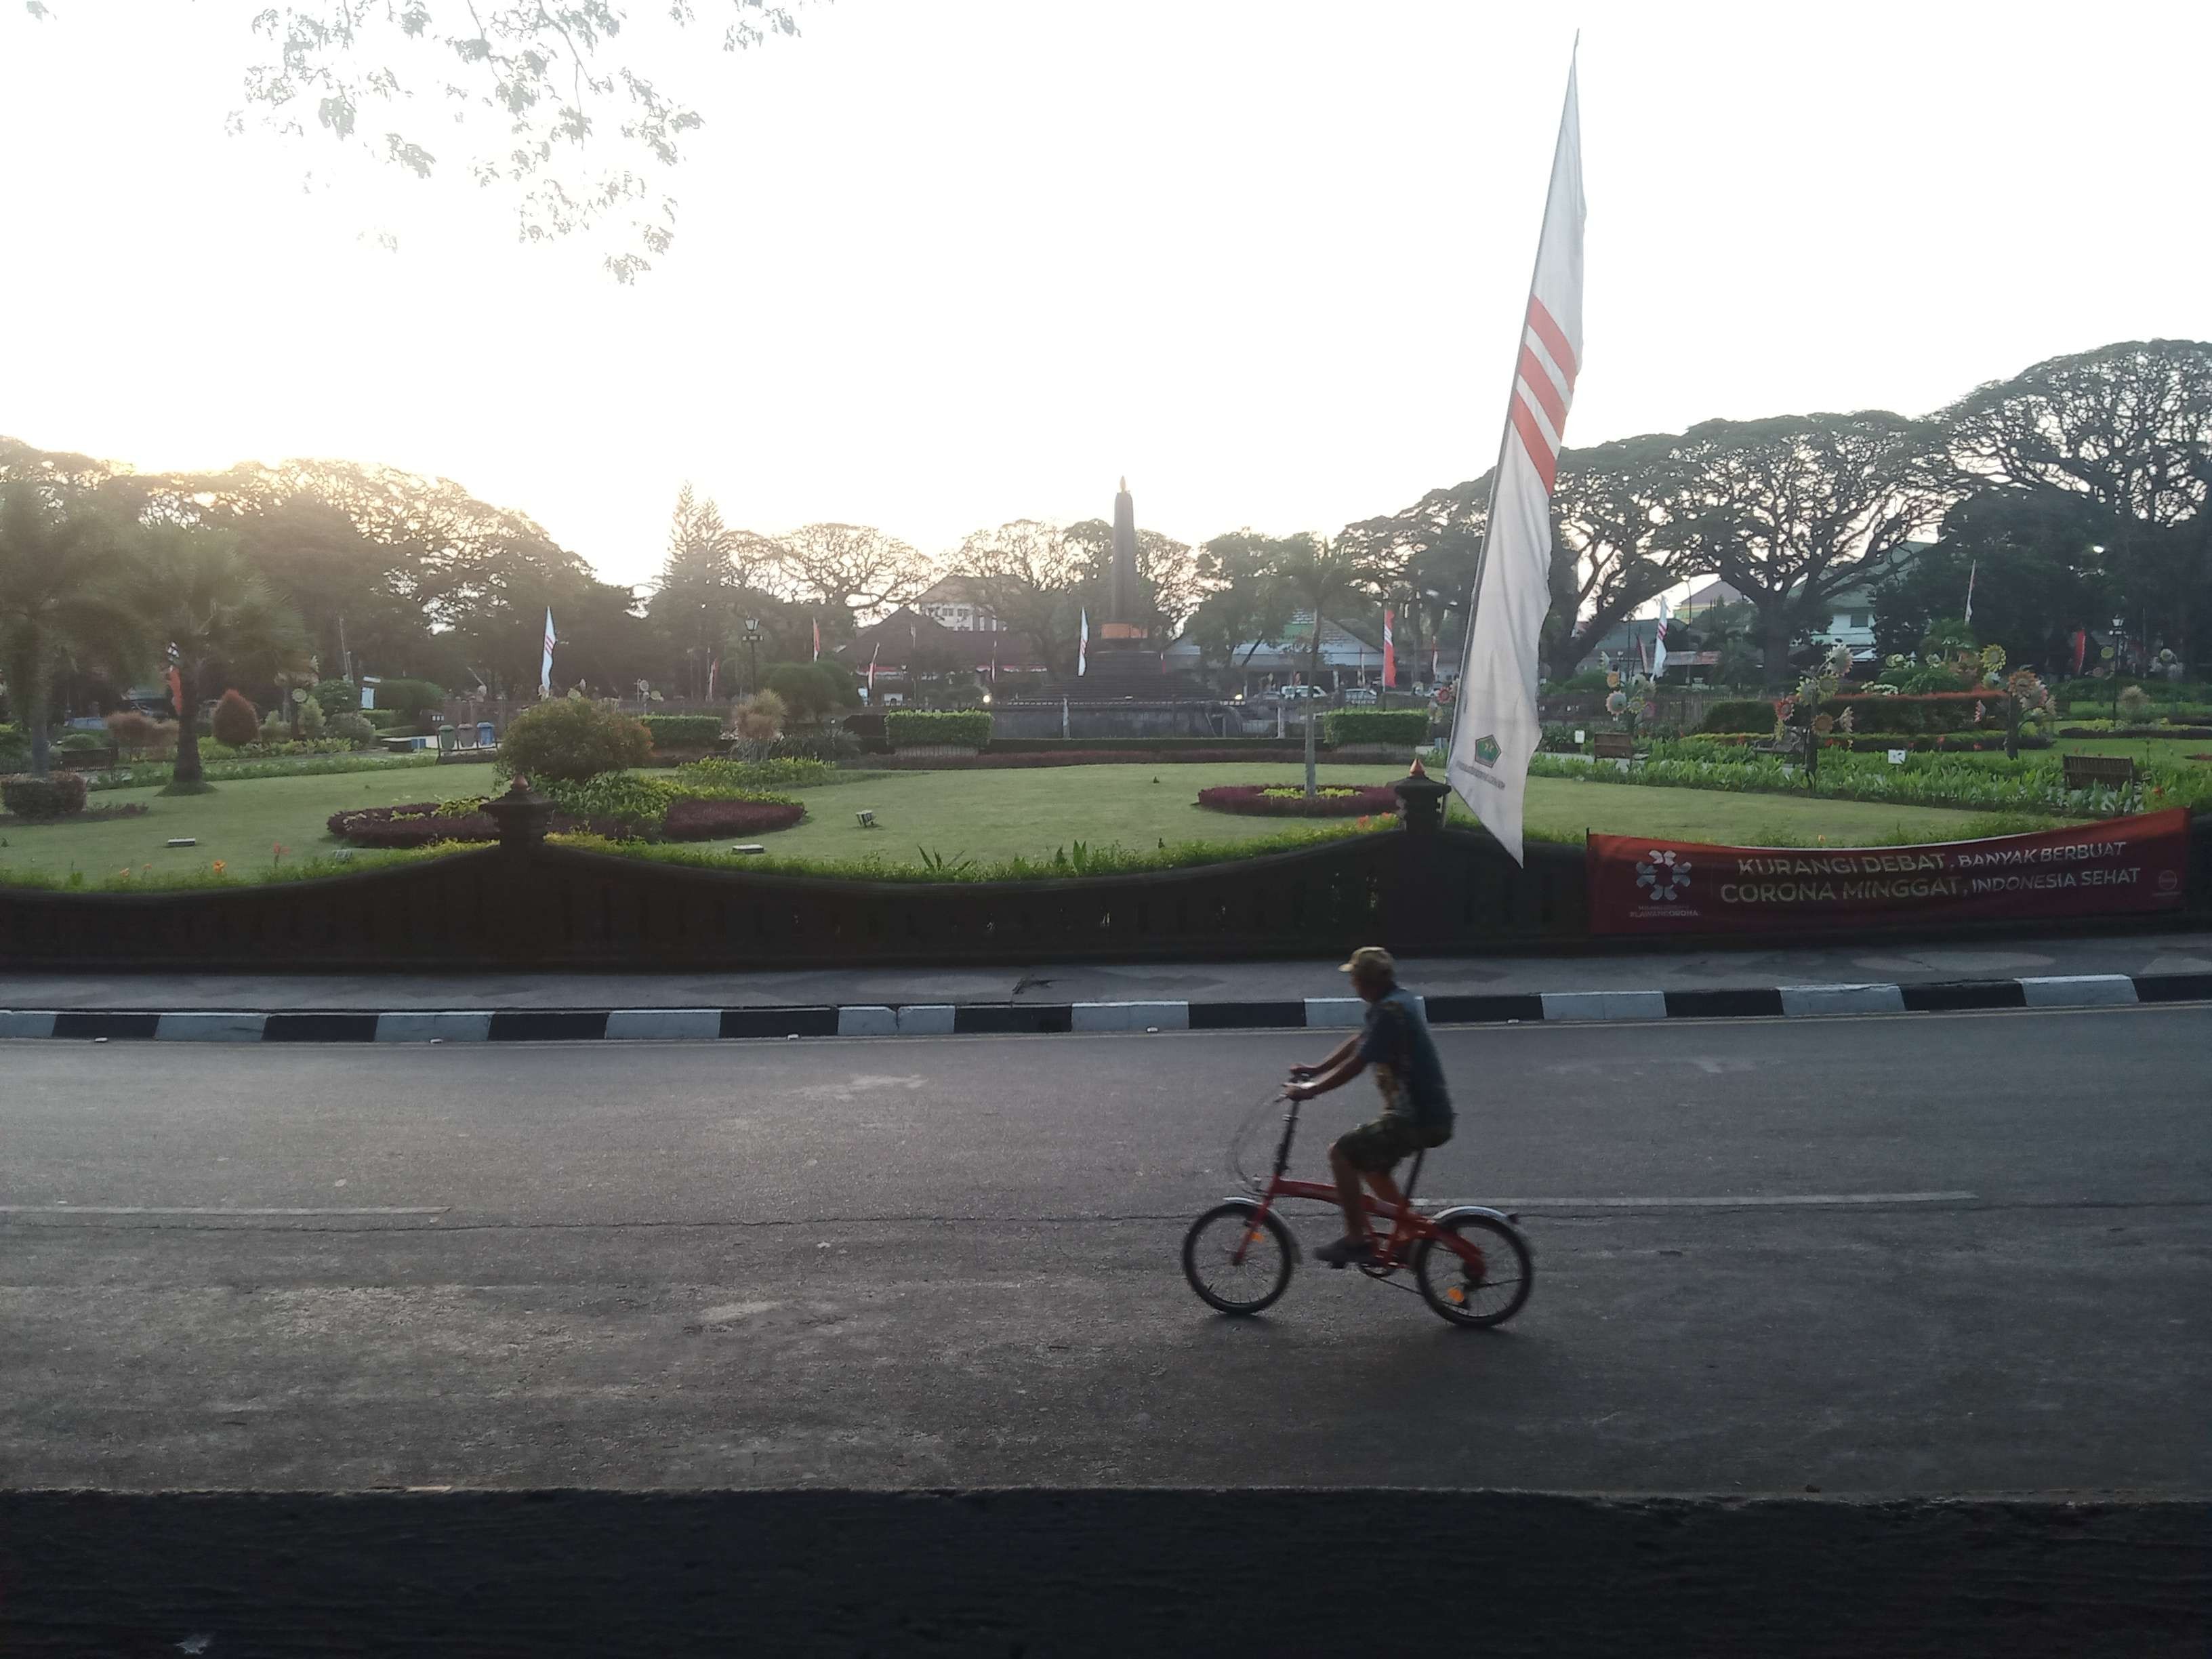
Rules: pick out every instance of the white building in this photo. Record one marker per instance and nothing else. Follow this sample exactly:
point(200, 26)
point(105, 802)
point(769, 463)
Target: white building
point(952, 602)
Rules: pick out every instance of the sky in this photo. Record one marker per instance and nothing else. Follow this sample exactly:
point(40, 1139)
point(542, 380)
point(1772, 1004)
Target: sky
point(940, 266)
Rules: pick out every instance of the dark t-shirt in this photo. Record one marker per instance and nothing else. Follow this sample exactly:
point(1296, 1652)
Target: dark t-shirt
point(1403, 1056)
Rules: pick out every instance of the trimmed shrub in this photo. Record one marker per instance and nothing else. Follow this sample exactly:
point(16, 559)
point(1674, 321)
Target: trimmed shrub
point(759, 717)
point(620, 796)
point(1750, 714)
point(314, 722)
point(410, 698)
point(807, 689)
point(569, 739)
point(682, 731)
point(353, 729)
point(80, 743)
point(1290, 800)
point(1250, 748)
point(1405, 728)
point(827, 745)
point(234, 721)
point(136, 734)
point(14, 749)
point(707, 820)
point(336, 696)
point(918, 728)
point(275, 730)
point(43, 798)
point(739, 777)
point(1085, 757)
point(384, 719)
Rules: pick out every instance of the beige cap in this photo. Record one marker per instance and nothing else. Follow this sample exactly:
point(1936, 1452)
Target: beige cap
point(1370, 959)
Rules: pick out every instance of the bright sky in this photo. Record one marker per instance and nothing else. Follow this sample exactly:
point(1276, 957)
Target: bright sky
point(943, 265)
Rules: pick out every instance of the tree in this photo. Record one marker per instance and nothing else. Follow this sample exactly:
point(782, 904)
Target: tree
point(200, 596)
point(2031, 554)
point(1608, 527)
point(65, 598)
point(1792, 510)
point(1320, 575)
point(1026, 574)
point(2128, 428)
point(848, 568)
point(696, 601)
point(1246, 603)
point(804, 688)
point(529, 94)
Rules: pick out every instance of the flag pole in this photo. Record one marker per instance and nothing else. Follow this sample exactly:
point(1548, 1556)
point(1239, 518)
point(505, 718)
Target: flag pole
point(1505, 436)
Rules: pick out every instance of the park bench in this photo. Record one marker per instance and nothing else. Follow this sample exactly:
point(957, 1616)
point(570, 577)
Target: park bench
point(2099, 772)
point(1617, 746)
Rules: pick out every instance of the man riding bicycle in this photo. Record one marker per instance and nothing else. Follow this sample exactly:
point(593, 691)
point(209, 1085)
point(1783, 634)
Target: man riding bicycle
point(1417, 1112)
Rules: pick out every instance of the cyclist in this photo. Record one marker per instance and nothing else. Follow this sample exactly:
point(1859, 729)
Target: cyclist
point(1417, 1113)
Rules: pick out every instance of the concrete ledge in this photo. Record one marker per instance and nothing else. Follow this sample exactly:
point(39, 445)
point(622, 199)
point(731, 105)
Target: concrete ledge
point(663, 1025)
point(926, 1019)
point(210, 1027)
point(2080, 991)
point(1605, 1005)
point(448, 1027)
point(1109, 1572)
point(1803, 999)
point(863, 1020)
point(1132, 1017)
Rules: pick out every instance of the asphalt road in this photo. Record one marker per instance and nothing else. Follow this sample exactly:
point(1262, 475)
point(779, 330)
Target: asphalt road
point(1922, 1254)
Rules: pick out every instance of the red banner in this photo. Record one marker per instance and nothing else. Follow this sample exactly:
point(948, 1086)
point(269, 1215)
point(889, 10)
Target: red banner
point(1642, 885)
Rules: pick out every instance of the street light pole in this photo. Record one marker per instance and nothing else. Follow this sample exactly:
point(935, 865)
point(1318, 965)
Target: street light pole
point(752, 653)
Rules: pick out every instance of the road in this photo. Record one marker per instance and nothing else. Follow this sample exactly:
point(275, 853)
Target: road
point(1966, 1253)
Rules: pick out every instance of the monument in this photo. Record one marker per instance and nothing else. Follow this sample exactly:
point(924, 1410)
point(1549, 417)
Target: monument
point(1121, 662)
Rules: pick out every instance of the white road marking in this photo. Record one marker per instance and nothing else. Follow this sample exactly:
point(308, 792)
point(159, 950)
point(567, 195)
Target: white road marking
point(206, 1209)
point(1754, 1201)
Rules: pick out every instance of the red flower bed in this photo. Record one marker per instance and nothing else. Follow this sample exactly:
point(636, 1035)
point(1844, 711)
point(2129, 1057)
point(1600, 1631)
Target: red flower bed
point(1252, 799)
point(414, 825)
point(707, 820)
point(1086, 757)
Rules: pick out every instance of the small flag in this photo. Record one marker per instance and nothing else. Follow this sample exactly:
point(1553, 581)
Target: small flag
point(871, 670)
point(818, 639)
point(176, 684)
point(1970, 569)
point(1643, 657)
point(1083, 643)
point(545, 669)
point(1389, 650)
point(1659, 655)
point(712, 668)
point(2081, 647)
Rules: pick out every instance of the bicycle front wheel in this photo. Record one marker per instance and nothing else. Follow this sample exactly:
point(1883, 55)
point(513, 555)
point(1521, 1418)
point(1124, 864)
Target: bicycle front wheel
point(1237, 1260)
point(1488, 1290)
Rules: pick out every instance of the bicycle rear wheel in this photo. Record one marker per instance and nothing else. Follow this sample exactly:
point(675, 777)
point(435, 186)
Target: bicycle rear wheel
point(1210, 1258)
point(1463, 1293)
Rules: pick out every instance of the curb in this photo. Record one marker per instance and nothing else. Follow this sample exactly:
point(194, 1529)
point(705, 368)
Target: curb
point(1038, 1018)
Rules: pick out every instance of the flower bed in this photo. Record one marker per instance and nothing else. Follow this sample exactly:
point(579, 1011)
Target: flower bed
point(707, 820)
point(1290, 800)
point(1133, 757)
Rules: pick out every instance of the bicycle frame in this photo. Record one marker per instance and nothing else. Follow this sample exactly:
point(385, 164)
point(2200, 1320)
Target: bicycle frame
point(1408, 1226)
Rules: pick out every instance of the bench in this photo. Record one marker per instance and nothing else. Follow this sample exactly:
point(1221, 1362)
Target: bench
point(1616, 746)
point(2099, 772)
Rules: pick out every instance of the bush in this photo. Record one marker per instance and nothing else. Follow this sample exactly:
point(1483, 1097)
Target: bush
point(43, 798)
point(410, 698)
point(1290, 800)
point(336, 696)
point(1401, 728)
point(1750, 714)
point(570, 739)
point(235, 722)
point(314, 722)
point(275, 730)
point(682, 731)
point(707, 820)
point(710, 777)
point(826, 744)
point(384, 719)
point(416, 825)
point(1589, 680)
point(620, 797)
point(136, 734)
point(759, 717)
point(807, 689)
point(14, 749)
point(80, 743)
point(915, 728)
point(354, 729)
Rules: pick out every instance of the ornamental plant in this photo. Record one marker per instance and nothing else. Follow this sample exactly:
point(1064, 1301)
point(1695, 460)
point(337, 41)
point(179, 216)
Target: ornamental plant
point(1800, 726)
point(234, 725)
point(570, 739)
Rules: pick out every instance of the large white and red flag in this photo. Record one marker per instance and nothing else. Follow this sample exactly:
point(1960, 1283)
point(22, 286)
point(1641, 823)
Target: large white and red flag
point(545, 669)
point(1498, 725)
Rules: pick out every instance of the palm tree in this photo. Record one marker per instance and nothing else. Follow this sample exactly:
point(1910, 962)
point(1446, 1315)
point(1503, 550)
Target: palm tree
point(64, 598)
point(201, 600)
point(1321, 574)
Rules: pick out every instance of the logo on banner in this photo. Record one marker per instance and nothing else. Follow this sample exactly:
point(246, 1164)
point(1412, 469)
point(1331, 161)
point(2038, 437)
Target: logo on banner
point(1487, 749)
point(1667, 876)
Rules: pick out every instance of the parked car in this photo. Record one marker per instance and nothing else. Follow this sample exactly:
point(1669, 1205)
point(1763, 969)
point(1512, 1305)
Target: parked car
point(1294, 693)
point(1358, 696)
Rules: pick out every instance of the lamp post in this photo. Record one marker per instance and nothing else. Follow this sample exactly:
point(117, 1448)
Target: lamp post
point(752, 655)
point(2118, 622)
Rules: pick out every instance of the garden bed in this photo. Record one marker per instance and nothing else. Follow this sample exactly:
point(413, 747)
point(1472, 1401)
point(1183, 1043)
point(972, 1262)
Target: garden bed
point(90, 815)
point(1290, 800)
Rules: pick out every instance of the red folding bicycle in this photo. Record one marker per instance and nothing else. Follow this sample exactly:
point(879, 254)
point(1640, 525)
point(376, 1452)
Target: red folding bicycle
point(1470, 1264)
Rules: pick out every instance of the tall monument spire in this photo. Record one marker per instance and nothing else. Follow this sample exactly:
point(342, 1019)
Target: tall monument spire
point(1121, 586)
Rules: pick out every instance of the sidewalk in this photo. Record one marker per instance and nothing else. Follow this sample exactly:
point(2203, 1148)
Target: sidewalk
point(1058, 987)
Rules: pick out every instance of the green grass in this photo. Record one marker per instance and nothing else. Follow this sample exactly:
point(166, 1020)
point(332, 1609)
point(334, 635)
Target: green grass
point(985, 815)
point(239, 823)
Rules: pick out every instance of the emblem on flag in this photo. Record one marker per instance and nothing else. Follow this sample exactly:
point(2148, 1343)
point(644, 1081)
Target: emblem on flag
point(1487, 749)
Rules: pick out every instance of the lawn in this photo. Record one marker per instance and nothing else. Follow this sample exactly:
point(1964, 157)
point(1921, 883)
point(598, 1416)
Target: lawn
point(984, 815)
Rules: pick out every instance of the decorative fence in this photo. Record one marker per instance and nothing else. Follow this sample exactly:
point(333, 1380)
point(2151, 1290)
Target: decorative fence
point(524, 903)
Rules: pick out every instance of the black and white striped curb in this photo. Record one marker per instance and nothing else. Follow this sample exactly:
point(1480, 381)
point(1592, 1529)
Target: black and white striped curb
point(978, 1018)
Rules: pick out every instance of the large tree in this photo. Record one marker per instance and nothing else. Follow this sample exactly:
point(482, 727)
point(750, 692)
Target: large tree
point(554, 102)
point(2127, 428)
point(847, 569)
point(67, 598)
point(702, 589)
point(2031, 559)
point(1323, 577)
point(200, 598)
point(1793, 510)
point(1246, 604)
point(1026, 573)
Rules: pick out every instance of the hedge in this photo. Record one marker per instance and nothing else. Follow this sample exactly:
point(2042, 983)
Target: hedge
point(1926, 711)
point(1750, 714)
point(1262, 748)
point(706, 820)
point(43, 798)
point(1253, 800)
point(684, 731)
point(994, 761)
point(916, 728)
point(386, 720)
point(1405, 728)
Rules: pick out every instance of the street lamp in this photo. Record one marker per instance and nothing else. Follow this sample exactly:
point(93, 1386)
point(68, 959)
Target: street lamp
point(752, 653)
point(2118, 622)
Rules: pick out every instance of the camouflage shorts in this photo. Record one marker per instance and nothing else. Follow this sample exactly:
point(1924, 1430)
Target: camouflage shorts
point(1375, 1148)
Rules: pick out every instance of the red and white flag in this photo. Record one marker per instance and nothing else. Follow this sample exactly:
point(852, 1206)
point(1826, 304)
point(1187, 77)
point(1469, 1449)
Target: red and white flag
point(1970, 570)
point(818, 639)
point(1083, 643)
point(1389, 651)
point(1659, 654)
point(545, 669)
point(713, 669)
point(872, 671)
point(1497, 726)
